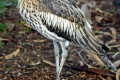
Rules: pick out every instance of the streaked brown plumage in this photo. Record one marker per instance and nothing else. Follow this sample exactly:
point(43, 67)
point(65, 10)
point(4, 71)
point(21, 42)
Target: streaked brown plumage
point(62, 21)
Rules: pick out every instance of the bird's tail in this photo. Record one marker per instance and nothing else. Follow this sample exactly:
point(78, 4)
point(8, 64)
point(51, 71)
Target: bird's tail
point(95, 45)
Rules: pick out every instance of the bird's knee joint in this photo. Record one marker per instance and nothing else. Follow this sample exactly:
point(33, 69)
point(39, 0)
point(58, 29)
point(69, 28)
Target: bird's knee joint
point(66, 43)
point(64, 55)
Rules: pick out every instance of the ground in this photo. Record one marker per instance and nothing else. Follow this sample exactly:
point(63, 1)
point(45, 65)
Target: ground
point(33, 50)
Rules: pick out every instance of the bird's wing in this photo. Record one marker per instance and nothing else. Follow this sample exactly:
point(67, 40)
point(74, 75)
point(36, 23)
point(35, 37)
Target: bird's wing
point(62, 17)
point(65, 19)
point(66, 9)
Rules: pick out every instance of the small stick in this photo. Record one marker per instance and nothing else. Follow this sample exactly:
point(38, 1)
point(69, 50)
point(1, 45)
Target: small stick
point(114, 46)
point(49, 63)
point(4, 39)
point(93, 70)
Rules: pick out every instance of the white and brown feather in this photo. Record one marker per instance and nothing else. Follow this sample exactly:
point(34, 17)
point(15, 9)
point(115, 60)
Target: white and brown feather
point(60, 20)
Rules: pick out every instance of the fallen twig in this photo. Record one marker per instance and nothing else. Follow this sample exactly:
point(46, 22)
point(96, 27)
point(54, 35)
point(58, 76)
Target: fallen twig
point(114, 46)
point(115, 55)
point(4, 39)
point(37, 41)
point(93, 70)
point(49, 63)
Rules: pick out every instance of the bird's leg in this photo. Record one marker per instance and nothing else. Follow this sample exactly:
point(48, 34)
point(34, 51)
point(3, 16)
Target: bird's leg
point(56, 47)
point(79, 53)
point(63, 55)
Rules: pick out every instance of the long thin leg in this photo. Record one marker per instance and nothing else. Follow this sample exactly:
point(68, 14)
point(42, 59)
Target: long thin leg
point(56, 47)
point(64, 55)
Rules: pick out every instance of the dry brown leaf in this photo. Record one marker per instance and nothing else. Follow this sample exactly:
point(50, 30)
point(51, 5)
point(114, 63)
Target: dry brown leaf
point(118, 75)
point(109, 78)
point(37, 41)
point(83, 76)
point(27, 25)
point(95, 57)
point(113, 30)
point(99, 10)
point(11, 55)
point(34, 64)
point(98, 19)
point(1, 63)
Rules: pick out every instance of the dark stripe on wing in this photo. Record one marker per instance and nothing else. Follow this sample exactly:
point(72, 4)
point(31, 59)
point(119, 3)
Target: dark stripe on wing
point(66, 9)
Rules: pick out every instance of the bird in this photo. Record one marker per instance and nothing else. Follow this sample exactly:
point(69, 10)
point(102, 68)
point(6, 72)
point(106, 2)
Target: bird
point(62, 21)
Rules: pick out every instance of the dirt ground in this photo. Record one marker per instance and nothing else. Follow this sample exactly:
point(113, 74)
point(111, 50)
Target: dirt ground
point(34, 50)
